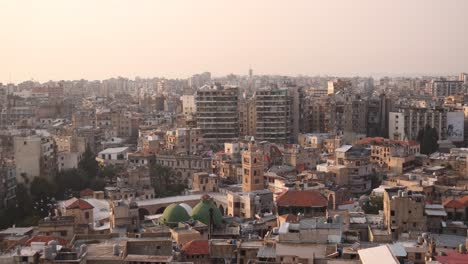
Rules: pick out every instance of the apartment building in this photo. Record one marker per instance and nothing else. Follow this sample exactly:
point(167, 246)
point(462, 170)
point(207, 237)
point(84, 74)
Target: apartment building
point(353, 168)
point(406, 123)
point(184, 141)
point(273, 115)
point(403, 211)
point(443, 88)
point(35, 156)
point(217, 113)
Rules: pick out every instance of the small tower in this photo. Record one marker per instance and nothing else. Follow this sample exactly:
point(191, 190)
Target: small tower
point(252, 169)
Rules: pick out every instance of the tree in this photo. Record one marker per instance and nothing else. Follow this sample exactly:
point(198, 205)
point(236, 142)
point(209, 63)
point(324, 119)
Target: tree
point(109, 172)
point(70, 183)
point(427, 138)
point(43, 196)
point(373, 206)
point(88, 164)
point(165, 181)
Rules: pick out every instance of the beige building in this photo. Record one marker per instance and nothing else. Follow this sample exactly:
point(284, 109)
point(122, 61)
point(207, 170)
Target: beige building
point(252, 169)
point(35, 156)
point(189, 107)
point(298, 156)
point(185, 165)
point(124, 215)
point(185, 141)
point(61, 227)
point(248, 204)
point(353, 168)
point(204, 182)
point(81, 210)
point(403, 212)
point(395, 155)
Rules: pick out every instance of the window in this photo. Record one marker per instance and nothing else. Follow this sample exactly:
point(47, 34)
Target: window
point(87, 215)
point(417, 255)
point(392, 212)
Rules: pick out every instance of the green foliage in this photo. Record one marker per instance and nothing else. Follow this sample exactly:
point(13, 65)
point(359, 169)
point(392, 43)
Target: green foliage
point(34, 204)
point(109, 172)
point(427, 138)
point(165, 181)
point(373, 206)
point(88, 164)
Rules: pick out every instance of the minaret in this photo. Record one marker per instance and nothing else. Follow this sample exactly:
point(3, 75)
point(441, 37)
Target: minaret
point(252, 169)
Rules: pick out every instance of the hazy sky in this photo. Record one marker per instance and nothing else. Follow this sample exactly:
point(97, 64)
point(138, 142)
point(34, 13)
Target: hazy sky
point(97, 39)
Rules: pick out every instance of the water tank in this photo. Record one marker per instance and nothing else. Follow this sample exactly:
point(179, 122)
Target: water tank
point(53, 245)
point(116, 249)
point(337, 219)
point(461, 249)
point(425, 236)
point(420, 240)
point(400, 193)
point(83, 249)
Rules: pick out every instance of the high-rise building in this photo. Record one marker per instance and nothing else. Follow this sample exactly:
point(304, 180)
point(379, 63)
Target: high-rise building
point(443, 88)
point(273, 115)
point(217, 113)
point(407, 122)
point(338, 86)
point(252, 169)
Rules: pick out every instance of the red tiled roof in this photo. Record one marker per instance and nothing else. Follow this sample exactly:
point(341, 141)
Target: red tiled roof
point(79, 204)
point(196, 247)
point(459, 203)
point(453, 257)
point(46, 239)
point(87, 192)
point(301, 199)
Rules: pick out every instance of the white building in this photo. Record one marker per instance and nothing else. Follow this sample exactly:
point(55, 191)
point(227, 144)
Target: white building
point(113, 155)
point(189, 106)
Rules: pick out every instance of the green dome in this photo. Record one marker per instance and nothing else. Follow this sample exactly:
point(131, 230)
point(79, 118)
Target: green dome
point(174, 214)
point(201, 212)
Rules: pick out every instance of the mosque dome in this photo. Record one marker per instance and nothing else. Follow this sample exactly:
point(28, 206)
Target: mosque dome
point(187, 208)
point(201, 211)
point(173, 215)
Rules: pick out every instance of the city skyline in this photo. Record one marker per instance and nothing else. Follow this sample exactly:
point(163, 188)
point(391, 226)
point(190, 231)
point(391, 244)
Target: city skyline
point(54, 40)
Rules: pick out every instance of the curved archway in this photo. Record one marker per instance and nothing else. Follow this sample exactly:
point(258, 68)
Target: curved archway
point(160, 210)
point(142, 212)
point(221, 208)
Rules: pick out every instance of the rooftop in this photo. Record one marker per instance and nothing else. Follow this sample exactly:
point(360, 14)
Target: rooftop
point(113, 150)
point(16, 231)
point(196, 247)
point(297, 198)
point(75, 203)
point(382, 255)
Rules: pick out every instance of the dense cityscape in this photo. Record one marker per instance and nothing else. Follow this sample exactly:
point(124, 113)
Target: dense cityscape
point(235, 169)
point(233, 132)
